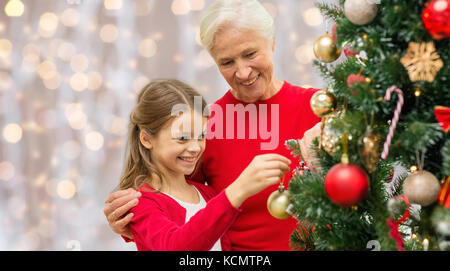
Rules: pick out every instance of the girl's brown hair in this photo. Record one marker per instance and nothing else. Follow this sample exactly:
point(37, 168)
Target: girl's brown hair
point(153, 110)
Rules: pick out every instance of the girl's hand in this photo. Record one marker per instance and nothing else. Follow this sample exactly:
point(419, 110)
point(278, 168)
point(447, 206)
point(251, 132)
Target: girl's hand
point(264, 170)
point(116, 206)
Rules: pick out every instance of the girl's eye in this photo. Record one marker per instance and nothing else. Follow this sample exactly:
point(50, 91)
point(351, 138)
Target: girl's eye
point(182, 138)
point(202, 136)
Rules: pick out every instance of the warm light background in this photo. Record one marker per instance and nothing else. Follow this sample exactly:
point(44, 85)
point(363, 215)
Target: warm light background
point(69, 73)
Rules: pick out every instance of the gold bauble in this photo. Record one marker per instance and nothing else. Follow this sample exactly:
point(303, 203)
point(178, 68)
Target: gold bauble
point(322, 103)
point(421, 188)
point(325, 49)
point(278, 202)
point(369, 146)
point(331, 138)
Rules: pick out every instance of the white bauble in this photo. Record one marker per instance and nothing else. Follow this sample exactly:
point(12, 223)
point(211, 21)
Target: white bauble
point(360, 12)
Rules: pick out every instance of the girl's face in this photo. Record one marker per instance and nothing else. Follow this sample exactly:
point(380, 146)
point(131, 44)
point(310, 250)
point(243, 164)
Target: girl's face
point(245, 59)
point(178, 146)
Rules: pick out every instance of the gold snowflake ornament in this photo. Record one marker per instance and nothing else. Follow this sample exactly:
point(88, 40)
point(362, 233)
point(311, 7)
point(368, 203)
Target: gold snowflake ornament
point(422, 61)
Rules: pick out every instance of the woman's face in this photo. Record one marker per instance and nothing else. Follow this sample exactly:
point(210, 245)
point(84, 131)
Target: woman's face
point(245, 59)
point(177, 147)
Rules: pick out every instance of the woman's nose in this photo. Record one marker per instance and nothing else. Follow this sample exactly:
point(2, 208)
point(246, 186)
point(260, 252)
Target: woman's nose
point(243, 71)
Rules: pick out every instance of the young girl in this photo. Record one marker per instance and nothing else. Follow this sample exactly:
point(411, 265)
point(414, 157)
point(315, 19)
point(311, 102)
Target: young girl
point(174, 213)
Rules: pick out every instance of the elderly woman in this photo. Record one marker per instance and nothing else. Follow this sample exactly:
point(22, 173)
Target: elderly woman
point(240, 36)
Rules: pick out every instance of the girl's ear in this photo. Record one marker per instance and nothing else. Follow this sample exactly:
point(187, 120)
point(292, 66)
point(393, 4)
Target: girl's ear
point(144, 137)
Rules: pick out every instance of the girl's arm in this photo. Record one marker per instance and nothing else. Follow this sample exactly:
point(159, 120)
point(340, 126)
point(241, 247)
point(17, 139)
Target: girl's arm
point(153, 230)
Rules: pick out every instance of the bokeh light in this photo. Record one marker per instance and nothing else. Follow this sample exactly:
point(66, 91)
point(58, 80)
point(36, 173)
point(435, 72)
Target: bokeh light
point(94, 141)
point(180, 7)
point(47, 69)
point(95, 80)
point(53, 82)
point(313, 17)
point(147, 48)
point(66, 189)
point(75, 115)
point(109, 33)
point(12, 133)
point(7, 171)
point(14, 8)
point(48, 24)
point(70, 17)
point(5, 48)
point(196, 5)
point(79, 81)
point(304, 54)
point(113, 4)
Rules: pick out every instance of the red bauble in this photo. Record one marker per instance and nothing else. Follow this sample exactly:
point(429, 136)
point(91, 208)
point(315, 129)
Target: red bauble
point(436, 18)
point(346, 185)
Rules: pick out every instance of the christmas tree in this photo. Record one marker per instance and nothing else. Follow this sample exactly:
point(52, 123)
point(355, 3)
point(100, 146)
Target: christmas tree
point(387, 104)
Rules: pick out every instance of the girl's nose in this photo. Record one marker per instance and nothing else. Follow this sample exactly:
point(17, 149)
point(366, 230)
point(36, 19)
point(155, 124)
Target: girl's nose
point(194, 146)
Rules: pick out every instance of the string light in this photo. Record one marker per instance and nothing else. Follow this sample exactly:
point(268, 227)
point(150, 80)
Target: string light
point(417, 93)
point(425, 244)
point(413, 168)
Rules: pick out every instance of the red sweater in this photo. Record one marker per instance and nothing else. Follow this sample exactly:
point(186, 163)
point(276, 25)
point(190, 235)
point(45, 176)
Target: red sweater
point(225, 159)
point(159, 221)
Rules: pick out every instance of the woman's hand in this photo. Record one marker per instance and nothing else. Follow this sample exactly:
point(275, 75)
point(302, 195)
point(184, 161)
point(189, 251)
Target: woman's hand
point(308, 154)
point(264, 170)
point(116, 206)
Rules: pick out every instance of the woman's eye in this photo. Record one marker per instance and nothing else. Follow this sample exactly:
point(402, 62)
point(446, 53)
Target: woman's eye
point(182, 138)
point(227, 63)
point(251, 54)
point(202, 136)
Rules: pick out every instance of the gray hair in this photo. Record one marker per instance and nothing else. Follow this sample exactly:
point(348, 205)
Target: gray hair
point(243, 14)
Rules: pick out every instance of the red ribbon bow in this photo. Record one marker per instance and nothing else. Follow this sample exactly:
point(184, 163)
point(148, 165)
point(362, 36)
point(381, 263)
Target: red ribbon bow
point(442, 114)
point(394, 233)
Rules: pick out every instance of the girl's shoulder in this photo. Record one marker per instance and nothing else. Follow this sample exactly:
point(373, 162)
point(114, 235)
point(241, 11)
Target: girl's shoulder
point(206, 190)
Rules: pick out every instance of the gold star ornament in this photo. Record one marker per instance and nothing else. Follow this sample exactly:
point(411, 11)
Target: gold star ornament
point(422, 61)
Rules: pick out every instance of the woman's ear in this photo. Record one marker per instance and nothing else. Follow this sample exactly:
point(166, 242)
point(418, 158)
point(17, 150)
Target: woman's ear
point(144, 137)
